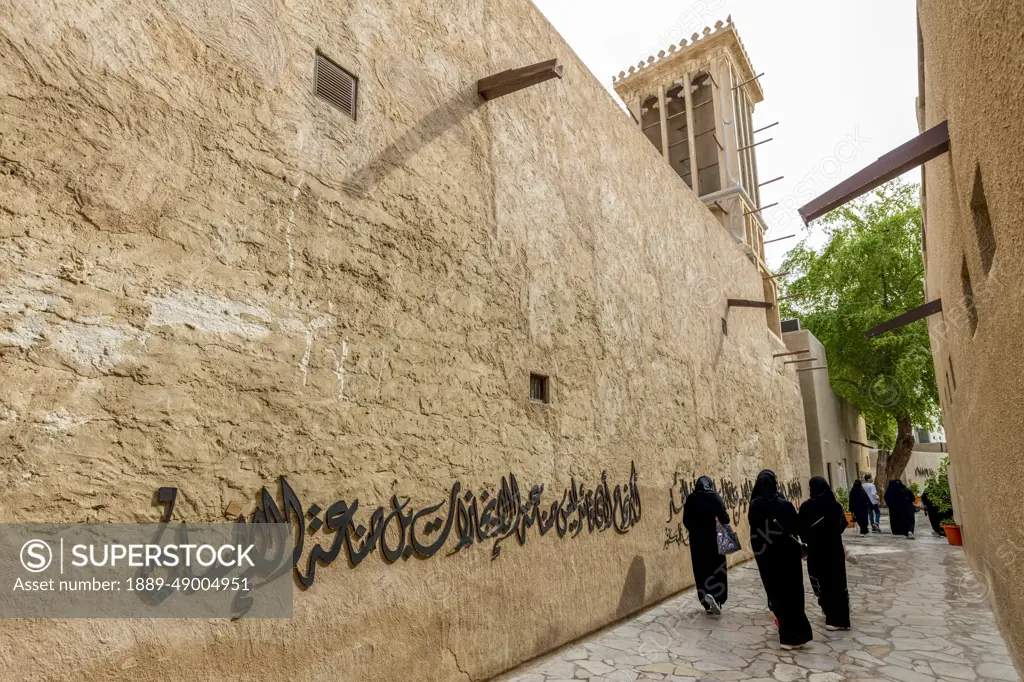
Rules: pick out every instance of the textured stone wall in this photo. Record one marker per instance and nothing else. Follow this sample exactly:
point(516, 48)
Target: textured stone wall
point(973, 69)
point(212, 279)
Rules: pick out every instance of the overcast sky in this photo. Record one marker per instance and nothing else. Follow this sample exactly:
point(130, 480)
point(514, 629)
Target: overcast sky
point(840, 77)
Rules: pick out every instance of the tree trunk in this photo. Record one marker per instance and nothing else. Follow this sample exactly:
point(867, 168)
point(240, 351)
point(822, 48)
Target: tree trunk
point(893, 466)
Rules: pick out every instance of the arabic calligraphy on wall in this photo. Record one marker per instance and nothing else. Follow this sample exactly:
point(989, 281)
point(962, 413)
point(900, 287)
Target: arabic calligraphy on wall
point(465, 518)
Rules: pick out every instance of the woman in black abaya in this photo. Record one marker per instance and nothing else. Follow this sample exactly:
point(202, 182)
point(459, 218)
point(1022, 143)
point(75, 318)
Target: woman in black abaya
point(822, 522)
point(774, 527)
point(860, 505)
point(700, 511)
point(900, 501)
point(934, 517)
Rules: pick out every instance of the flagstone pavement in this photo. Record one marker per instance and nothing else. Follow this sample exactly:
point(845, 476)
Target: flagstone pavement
point(918, 614)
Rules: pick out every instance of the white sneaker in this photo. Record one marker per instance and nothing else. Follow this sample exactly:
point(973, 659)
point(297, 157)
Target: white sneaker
point(712, 606)
point(790, 647)
point(834, 628)
point(910, 536)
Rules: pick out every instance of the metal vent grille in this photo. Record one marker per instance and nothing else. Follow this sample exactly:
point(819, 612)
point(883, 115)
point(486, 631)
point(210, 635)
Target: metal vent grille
point(335, 85)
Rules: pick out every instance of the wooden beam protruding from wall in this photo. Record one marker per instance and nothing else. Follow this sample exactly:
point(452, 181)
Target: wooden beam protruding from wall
point(513, 80)
point(918, 313)
point(795, 352)
point(924, 147)
point(741, 303)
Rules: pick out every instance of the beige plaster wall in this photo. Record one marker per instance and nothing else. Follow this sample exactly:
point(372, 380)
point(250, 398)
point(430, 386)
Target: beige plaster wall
point(922, 465)
point(973, 70)
point(832, 422)
point(211, 279)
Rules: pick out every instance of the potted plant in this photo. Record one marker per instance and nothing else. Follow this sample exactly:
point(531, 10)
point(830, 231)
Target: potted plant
point(937, 489)
point(915, 488)
point(843, 497)
point(953, 535)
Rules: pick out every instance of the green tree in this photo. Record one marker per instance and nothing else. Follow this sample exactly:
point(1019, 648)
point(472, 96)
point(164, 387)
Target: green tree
point(869, 271)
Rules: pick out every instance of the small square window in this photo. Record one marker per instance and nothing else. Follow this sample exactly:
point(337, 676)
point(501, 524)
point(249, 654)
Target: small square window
point(539, 388)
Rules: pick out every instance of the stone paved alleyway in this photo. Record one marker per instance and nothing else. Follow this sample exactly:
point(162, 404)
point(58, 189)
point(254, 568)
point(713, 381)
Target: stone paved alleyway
point(918, 614)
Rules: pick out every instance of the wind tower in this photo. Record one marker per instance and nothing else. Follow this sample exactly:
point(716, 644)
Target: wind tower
point(695, 103)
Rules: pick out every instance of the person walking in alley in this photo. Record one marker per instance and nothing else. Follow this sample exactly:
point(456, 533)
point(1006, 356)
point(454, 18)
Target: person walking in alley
point(774, 530)
point(703, 507)
point(860, 506)
point(900, 501)
point(934, 516)
point(822, 522)
point(876, 505)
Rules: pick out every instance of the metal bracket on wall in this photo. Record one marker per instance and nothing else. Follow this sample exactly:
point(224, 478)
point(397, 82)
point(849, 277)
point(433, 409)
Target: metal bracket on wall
point(763, 208)
point(749, 80)
point(750, 146)
point(770, 125)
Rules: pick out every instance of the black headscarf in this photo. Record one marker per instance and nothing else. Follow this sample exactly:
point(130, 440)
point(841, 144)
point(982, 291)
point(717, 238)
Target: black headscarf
point(859, 500)
point(704, 484)
point(821, 517)
point(821, 489)
point(770, 515)
point(896, 492)
point(766, 487)
point(700, 511)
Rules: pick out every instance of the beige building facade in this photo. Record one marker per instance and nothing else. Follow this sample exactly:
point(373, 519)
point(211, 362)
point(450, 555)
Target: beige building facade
point(213, 278)
point(972, 75)
point(837, 441)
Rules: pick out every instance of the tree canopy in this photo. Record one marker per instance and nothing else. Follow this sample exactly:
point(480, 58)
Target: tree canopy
point(870, 270)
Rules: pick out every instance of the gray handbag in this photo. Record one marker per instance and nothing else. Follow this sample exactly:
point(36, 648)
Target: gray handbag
point(728, 541)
